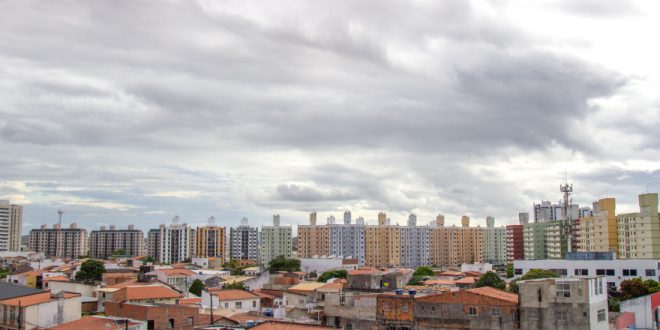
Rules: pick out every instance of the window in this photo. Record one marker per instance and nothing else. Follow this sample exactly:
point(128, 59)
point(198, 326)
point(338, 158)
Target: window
point(626, 272)
point(561, 316)
point(496, 312)
point(519, 271)
point(404, 308)
point(633, 272)
point(561, 272)
point(226, 305)
point(239, 304)
point(582, 272)
point(472, 311)
point(601, 315)
point(191, 320)
point(386, 307)
point(600, 272)
point(609, 272)
point(650, 272)
point(563, 289)
point(170, 324)
point(532, 314)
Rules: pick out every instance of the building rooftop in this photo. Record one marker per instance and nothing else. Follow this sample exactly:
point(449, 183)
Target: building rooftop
point(495, 293)
point(9, 290)
point(232, 294)
point(365, 271)
point(287, 326)
point(480, 296)
point(150, 292)
point(35, 299)
point(306, 287)
point(175, 272)
point(95, 322)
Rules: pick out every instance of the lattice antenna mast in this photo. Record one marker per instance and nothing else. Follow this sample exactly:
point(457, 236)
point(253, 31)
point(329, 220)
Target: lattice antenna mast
point(567, 189)
point(58, 245)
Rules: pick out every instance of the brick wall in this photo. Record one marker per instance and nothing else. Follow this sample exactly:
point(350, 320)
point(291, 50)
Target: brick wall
point(161, 315)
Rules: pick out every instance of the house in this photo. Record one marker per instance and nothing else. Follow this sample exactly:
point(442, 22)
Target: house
point(350, 309)
point(302, 295)
point(85, 289)
point(32, 278)
point(481, 308)
point(395, 310)
point(230, 301)
point(27, 308)
point(208, 263)
point(252, 271)
point(149, 294)
point(368, 278)
point(335, 287)
point(100, 322)
point(564, 303)
point(161, 316)
point(114, 278)
point(179, 278)
point(645, 309)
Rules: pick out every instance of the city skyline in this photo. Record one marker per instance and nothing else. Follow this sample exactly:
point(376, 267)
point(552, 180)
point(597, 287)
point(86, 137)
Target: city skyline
point(244, 109)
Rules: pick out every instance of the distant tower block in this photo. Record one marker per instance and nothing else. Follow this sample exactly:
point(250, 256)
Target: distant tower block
point(211, 221)
point(465, 221)
point(312, 218)
point(176, 220)
point(276, 220)
point(440, 220)
point(244, 222)
point(523, 218)
point(490, 222)
point(382, 218)
point(412, 220)
point(359, 221)
point(331, 220)
point(347, 218)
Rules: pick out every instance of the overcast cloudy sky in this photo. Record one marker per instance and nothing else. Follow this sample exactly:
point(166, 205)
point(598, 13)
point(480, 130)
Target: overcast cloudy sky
point(133, 111)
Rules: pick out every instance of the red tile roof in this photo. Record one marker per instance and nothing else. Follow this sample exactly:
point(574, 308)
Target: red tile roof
point(233, 294)
point(466, 280)
point(176, 272)
point(190, 301)
point(263, 294)
point(287, 326)
point(365, 271)
point(150, 292)
point(59, 278)
point(495, 293)
point(35, 299)
point(92, 322)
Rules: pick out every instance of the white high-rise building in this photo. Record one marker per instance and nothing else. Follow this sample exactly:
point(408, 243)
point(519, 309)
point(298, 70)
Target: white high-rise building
point(275, 241)
point(244, 242)
point(415, 244)
point(494, 243)
point(347, 239)
point(11, 224)
point(173, 243)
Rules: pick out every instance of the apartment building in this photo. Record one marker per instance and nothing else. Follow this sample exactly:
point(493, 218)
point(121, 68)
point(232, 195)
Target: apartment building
point(211, 241)
point(313, 239)
point(564, 303)
point(639, 233)
point(382, 243)
point(415, 244)
point(495, 243)
point(598, 232)
point(453, 246)
point(515, 249)
point(275, 241)
point(347, 239)
point(534, 241)
point(173, 243)
point(244, 242)
point(555, 239)
point(11, 225)
point(123, 242)
point(59, 242)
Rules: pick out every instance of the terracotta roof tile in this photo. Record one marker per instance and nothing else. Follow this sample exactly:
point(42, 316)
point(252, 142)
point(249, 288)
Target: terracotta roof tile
point(365, 271)
point(233, 294)
point(480, 297)
point(59, 278)
point(495, 293)
point(150, 292)
point(176, 272)
point(287, 326)
point(190, 301)
point(466, 280)
point(92, 322)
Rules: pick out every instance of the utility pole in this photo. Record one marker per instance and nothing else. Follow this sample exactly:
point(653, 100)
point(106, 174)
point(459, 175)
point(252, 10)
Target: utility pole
point(211, 297)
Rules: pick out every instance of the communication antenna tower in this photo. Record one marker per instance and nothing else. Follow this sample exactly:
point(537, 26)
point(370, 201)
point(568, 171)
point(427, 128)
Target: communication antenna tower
point(58, 245)
point(567, 189)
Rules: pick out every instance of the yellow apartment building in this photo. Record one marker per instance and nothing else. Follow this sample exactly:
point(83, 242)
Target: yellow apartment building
point(598, 233)
point(639, 233)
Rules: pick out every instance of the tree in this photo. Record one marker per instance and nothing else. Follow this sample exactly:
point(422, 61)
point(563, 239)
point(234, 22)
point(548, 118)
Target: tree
point(283, 264)
point(416, 280)
point(532, 274)
point(90, 270)
point(120, 252)
point(149, 259)
point(196, 287)
point(652, 285)
point(313, 274)
point(492, 280)
point(633, 288)
point(509, 271)
point(424, 271)
point(337, 273)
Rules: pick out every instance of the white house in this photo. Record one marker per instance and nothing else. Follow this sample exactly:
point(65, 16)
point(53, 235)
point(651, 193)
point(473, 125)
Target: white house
point(40, 309)
point(323, 263)
point(229, 302)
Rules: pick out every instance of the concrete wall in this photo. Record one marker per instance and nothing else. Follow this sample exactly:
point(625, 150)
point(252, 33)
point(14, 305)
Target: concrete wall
point(86, 290)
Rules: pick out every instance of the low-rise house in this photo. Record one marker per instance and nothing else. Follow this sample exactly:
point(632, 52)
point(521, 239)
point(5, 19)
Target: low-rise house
point(32, 278)
point(115, 278)
point(645, 309)
point(481, 308)
point(106, 294)
point(368, 278)
point(351, 310)
point(228, 302)
point(323, 263)
point(395, 311)
point(335, 287)
point(85, 289)
point(180, 278)
point(564, 303)
point(276, 325)
point(149, 294)
point(27, 308)
point(302, 295)
point(208, 263)
point(252, 271)
point(101, 322)
point(161, 316)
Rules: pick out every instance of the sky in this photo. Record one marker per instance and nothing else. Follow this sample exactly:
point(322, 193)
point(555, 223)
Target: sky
point(132, 112)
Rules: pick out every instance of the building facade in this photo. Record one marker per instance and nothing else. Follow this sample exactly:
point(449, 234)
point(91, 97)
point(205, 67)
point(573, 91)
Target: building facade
point(382, 243)
point(598, 232)
point(347, 239)
point(275, 241)
point(415, 244)
point(313, 239)
point(173, 243)
point(534, 241)
point(639, 233)
point(211, 241)
point(515, 249)
point(105, 243)
point(564, 303)
point(495, 243)
point(454, 246)
point(244, 242)
point(59, 242)
point(11, 225)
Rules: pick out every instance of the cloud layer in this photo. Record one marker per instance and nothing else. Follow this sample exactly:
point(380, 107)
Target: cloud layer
point(132, 112)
